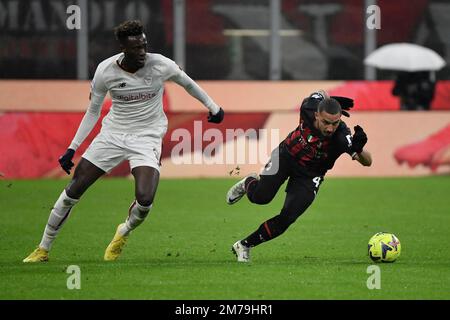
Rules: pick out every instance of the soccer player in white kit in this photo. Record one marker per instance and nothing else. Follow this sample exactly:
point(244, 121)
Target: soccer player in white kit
point(132, 130)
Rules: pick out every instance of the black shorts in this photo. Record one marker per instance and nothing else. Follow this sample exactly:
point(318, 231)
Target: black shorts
point(301, 190)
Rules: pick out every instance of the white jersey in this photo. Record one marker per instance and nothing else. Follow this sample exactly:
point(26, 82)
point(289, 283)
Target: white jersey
point(136, 97)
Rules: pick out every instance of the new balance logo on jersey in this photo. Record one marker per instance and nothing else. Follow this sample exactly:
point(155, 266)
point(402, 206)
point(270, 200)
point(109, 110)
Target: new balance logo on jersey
point(122, 85)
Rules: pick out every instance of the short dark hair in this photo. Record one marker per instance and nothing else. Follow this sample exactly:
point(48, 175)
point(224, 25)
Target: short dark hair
point(128, 28)
point(329, 105)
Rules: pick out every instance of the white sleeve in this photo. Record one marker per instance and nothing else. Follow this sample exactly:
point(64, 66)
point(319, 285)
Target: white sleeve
point(180, 77)
point(97, 95)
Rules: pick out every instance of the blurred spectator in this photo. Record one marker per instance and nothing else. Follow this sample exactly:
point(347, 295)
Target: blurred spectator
point(415, 89)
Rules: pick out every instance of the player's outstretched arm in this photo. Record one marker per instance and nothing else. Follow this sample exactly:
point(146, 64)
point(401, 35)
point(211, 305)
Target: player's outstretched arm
point(364, 158)
point(216, 113)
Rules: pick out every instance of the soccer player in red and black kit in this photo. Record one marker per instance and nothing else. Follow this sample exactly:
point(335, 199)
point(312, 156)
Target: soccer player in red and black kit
point(304, 157)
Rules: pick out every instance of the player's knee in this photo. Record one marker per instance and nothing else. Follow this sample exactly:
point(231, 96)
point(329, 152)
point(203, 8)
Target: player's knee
point(144, 199)
point(78, 186)
point(145, 202)
point(74, 190)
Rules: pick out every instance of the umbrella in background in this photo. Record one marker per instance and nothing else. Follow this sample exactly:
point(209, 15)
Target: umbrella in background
point(405, 57)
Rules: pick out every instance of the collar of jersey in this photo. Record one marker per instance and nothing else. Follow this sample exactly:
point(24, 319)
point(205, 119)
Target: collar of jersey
point(119, 60)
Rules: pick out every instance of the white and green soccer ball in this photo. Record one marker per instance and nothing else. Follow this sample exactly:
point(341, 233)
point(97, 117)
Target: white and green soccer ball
point(384, 247)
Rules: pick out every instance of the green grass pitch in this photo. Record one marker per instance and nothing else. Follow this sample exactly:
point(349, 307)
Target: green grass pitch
point(182, 251)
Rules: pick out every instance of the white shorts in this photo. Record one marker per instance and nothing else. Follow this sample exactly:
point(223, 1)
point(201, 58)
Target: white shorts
point(108, 150)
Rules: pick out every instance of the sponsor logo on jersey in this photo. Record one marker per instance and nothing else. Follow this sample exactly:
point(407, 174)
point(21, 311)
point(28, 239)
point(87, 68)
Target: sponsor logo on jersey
point(136, 97)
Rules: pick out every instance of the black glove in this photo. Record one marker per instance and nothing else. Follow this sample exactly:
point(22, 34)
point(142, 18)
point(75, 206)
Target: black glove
point(359, 139)
point(216, 118)
point(66, 160)
point(346, 104)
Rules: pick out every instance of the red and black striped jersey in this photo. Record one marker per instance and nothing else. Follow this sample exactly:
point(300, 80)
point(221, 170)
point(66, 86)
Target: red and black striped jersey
point(314, 153)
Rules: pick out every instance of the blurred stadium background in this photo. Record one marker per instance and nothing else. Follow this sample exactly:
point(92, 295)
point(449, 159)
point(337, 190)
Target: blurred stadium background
point(233, 49)
point(256, 58)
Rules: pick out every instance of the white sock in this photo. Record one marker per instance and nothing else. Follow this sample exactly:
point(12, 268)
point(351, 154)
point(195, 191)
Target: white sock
point(58, 216)
point(136, 216)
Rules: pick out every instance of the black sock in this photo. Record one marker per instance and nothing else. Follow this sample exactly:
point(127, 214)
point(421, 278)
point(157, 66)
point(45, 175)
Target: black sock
point(259, 236)
point(268, 230)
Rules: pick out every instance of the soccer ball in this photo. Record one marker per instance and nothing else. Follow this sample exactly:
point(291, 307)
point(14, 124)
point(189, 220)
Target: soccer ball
point(384, 247)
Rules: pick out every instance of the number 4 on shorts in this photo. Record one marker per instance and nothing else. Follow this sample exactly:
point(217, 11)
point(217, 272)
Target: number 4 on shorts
point(317, 181)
